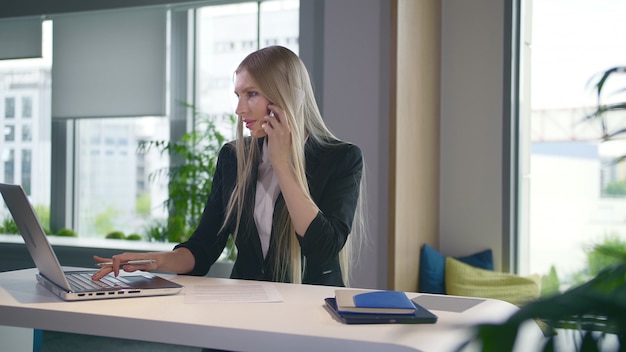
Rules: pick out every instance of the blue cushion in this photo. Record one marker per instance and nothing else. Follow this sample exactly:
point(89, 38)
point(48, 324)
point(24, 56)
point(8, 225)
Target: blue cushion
point(432, 271)
point(482, 260)
point(432, 278)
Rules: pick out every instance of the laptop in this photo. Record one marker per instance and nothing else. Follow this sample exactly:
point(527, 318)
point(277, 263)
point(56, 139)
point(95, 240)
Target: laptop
point(75, 285)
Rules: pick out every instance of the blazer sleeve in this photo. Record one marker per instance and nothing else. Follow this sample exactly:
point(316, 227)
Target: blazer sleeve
point(207, 242)
point(336, 194)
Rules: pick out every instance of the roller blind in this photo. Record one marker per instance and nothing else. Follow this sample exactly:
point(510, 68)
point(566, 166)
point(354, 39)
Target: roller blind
point(109, 64)
point(20, 38)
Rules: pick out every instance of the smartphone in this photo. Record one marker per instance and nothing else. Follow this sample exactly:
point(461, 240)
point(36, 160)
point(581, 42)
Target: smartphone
point(271, 113)
point(130, 262)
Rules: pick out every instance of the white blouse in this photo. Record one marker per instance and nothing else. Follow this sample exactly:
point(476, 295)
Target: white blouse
point(267, 190)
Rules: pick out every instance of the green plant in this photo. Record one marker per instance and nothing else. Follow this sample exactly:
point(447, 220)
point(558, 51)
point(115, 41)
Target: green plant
point(9, 227)
point(193, 161)
point(119, 235)
point(598, 305)
point(157, 231)
point(134, 237)
point(65, 232)
point(603, 110)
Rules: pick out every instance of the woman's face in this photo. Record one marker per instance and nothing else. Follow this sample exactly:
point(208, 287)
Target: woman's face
point(251, 104)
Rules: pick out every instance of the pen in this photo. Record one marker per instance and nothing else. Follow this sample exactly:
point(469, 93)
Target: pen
point(130, 262)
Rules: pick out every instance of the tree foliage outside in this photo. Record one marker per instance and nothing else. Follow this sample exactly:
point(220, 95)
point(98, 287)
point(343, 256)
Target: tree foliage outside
point(550, 283)
point(104, 223)
point(143, 205)
point(615, 189)
point(43, 214)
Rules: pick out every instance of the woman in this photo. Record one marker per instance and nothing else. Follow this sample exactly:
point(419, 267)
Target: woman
point(288, 194)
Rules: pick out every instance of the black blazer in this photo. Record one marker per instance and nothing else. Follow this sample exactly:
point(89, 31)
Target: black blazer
point(333, 172)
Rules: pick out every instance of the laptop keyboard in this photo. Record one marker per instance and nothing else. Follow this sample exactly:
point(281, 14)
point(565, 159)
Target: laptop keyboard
point(83, 281)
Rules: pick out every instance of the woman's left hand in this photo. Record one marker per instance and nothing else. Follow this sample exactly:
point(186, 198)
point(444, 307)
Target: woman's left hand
point(278, 133)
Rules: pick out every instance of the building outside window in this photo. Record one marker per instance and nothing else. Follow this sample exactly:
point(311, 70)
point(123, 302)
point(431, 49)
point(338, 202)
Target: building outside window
point(9, 107)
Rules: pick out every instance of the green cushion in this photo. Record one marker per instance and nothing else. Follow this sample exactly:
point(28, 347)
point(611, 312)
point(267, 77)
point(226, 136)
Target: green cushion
point(466, 280)
point(432, 272)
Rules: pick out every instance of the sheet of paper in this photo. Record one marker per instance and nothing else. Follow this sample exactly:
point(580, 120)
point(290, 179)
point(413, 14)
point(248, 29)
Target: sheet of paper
point(212, 293)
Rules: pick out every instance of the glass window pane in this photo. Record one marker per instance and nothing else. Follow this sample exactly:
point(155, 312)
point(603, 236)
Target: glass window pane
point(27, 133)
point(27, 107)
point(26, 170)
point(9, 133)
point(8, 161)
point(280, 22)
point(225, 35)
point(9, 107)
point(25, 94)
point(572, 190)
point(115, 190)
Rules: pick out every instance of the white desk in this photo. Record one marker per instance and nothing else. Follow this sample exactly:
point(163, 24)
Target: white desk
point(300, 323)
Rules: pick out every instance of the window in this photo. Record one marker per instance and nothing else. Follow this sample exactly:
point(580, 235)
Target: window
point(9, 107)
point(226, 34)
point(9, 133)
point(8, 160)
point(26, 170)
point(27, 107)
point(113, 186)
point(27, 133)
point(107, 175)
point(572, 189)
point(25, 89)
point(118, 188)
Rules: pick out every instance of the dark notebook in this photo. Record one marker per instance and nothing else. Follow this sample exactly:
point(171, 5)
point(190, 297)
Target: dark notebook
point(421, 316)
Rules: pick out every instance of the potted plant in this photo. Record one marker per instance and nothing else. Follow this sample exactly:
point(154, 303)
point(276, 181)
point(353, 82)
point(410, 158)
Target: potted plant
point(592, 309)
point(193, 160)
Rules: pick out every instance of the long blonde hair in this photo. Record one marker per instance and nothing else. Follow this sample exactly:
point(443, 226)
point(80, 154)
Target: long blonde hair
point(282, 77)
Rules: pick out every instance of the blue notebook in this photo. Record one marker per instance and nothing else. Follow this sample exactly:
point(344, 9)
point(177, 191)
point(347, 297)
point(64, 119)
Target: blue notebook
point(376, 302)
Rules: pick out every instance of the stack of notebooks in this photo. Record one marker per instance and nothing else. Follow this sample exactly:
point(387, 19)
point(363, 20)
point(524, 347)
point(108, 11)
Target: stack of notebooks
point(377, 307)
